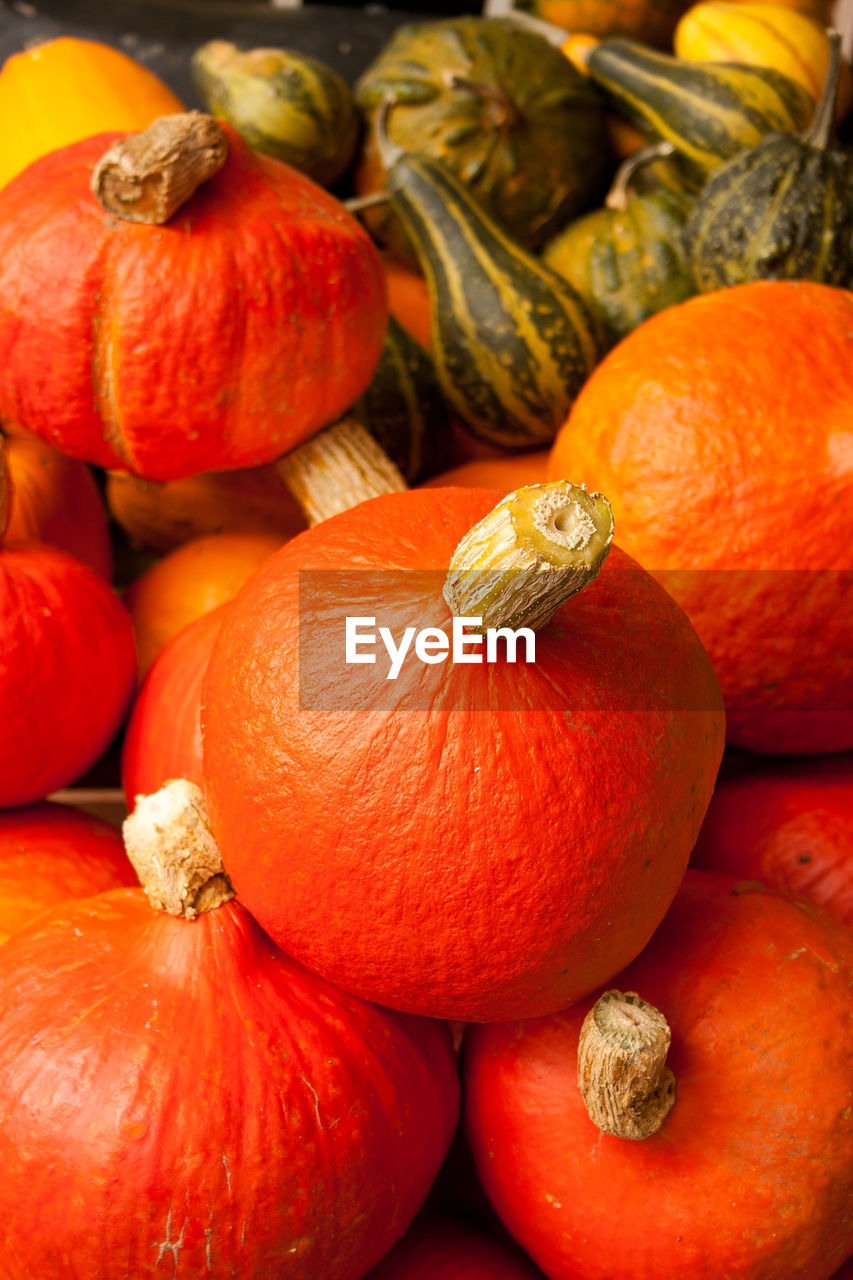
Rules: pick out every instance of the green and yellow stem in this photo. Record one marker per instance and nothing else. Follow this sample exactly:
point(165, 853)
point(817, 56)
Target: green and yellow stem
point(532, 552)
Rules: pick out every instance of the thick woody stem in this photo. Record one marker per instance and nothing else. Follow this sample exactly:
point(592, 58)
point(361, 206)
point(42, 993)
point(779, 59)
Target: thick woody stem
point(627, 1088)
point(338, 468)
point(169, 841)
point(148, 176)
point(533, 551)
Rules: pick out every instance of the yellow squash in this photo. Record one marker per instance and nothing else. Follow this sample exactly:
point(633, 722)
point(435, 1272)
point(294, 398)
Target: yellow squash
point(67, 89)
point(763, 35)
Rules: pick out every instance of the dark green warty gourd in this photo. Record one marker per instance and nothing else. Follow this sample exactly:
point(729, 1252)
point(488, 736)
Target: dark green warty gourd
point(782, 210)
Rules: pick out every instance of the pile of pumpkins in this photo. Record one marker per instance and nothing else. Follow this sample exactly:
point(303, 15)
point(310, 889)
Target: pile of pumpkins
point(507, 969)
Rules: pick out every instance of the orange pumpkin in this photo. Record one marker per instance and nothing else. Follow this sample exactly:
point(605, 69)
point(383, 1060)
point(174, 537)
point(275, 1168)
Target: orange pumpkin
point(408, 299)
point(441, 1249)
point(161, 516)
point(189, 582)
point(713, 446)
point(50, 853)
point(396, 837)
point(67, 89)
point(222, 339)
point(163, 735)
point(56, 500)
point(510, 471)
point(789, 826)
point(751, 1172)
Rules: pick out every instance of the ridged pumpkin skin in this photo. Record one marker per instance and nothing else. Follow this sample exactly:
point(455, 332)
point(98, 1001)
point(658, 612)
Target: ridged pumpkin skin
point(751, 1175)
point(179, 1096)
point(67, 670)
point(789, 826)
point(448, 1250)
point(163, 735)
point(520, 127)
point(207, 344)
point(713, 445)
point(50, 853)
point(708, 110)
point(462, 882)
point(67, 89)
point(56, 500)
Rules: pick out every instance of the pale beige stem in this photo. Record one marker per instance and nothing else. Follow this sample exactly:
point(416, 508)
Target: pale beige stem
point(619, 194)
point(626, 1085)
point(534, 550)
point(169, 841)
point(338, 468)
point(149, 175)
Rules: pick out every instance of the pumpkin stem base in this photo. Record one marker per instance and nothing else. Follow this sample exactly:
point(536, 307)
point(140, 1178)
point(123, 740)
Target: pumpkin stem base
point(338, 468)
point(627, 1088)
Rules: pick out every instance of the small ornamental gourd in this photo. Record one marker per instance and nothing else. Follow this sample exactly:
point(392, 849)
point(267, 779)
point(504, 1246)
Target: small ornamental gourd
point(206, 335)
point(50, 853)
point(511, 340)
point(780, 210)
point(502, 109)
point(708, 110)
point(67, 666)
point(462, 882)
point(179, 1097)
point(706, 1102)
point(764, 35)
point(283, 104)
point(627, 261)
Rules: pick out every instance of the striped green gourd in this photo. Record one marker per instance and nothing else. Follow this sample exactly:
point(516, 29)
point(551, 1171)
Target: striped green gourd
point(512, 342)
point(627, 260)
point(404, 409)
point(284, 104)
point(781, 210)
point(708, 110)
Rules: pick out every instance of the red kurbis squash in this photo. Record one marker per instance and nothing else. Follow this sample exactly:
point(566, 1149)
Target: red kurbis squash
point(67, 669)
point(50, 853)
point(463, 841)
point(789, 826)
point(442, 1249)
point(221, 339)
point(163, 736)
point(178, 1097)
point(751, 1173)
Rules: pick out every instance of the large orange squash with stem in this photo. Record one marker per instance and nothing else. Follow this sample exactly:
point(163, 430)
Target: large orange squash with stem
point(750, 1173)
point(788, 824)
point(178, 1097)
point(50, 853)
point(67, 89)
point(731, 469)
point(462, 840)
point(222, 339)
point(56, 500)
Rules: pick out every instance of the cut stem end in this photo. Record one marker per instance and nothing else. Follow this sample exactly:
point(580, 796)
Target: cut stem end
point(626, 1086)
